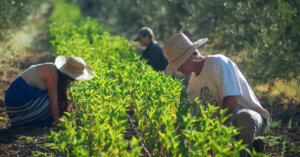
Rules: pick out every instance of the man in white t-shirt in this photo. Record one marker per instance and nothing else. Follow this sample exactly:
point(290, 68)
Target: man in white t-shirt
point(217, 80)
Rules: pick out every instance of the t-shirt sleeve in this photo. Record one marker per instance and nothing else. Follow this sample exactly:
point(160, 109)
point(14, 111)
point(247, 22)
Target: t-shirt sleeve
point(226, 75)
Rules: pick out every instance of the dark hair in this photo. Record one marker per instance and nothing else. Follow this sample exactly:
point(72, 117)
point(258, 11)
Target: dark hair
point(150, 35)
point(62, 87)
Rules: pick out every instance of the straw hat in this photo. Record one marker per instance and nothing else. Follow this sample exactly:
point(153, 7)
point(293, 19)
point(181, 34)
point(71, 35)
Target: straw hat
point(178, 49)
point(74, 67)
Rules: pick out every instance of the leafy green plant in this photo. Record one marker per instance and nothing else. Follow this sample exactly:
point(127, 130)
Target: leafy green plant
point(125, 84)
point(263, 34)
point(3, 119)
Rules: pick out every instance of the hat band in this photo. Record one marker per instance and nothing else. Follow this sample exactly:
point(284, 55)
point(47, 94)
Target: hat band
point(74, 68)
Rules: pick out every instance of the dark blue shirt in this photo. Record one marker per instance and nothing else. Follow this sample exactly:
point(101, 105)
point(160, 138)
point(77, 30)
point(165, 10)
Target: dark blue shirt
point(155, 57)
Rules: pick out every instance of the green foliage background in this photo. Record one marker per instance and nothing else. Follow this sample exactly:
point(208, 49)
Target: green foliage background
point(262, 36)
point(13, 13)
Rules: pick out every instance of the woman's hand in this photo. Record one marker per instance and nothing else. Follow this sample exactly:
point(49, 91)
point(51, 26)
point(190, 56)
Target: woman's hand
point(55, 127)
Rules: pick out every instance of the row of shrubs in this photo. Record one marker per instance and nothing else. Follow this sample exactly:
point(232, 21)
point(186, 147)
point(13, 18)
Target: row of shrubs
point(126, 93)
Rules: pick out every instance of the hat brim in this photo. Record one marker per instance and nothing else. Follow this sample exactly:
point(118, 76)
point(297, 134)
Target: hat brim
point(87, 73)
point(176, 64)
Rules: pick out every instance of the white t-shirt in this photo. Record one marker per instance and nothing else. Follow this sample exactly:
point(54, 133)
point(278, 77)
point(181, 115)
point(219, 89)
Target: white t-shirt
point(220, 77)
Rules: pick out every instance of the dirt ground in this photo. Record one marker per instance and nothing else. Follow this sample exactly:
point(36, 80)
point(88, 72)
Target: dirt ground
point(25, 141)
point(21, 141)
point(282, 139)
point(33, 141)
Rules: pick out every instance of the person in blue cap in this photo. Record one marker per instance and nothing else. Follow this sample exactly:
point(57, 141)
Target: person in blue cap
point(153, 52)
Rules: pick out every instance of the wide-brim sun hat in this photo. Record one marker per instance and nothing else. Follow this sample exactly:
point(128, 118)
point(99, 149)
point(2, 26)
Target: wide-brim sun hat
point(74, 67)
point(178, 49)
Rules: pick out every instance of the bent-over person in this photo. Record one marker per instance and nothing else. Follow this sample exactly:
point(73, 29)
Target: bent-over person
point(215, 79)
point(38, 96)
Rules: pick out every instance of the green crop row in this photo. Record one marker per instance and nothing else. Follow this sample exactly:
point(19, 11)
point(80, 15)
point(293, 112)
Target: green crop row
point(126, 93)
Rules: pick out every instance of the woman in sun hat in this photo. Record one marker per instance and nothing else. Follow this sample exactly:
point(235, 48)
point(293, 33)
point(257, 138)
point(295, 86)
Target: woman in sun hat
point(38, 96)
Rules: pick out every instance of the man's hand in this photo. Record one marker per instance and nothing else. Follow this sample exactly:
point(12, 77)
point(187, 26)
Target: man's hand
point(229, 103)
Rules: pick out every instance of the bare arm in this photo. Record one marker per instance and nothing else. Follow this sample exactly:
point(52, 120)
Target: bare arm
point(50, 75)
point(229, 103)
point(52, 94)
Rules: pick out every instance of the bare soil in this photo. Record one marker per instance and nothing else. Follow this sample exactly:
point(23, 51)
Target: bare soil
point(287, 110)
point(29, 141)
point(25, 141)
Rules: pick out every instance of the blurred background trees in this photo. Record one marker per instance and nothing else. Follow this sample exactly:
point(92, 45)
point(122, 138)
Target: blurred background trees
point(13, 14)
point(261, 35)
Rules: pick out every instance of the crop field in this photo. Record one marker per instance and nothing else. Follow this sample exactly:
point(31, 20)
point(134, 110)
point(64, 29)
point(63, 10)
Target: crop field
point(127, 109)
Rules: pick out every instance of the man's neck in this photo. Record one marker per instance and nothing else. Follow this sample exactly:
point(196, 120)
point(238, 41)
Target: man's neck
point(198, 64)
point(149, 43)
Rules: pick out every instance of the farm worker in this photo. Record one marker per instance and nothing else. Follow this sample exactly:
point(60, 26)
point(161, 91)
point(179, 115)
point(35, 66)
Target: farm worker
point(153, 52)
point(215, 79)
point(38, 96)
